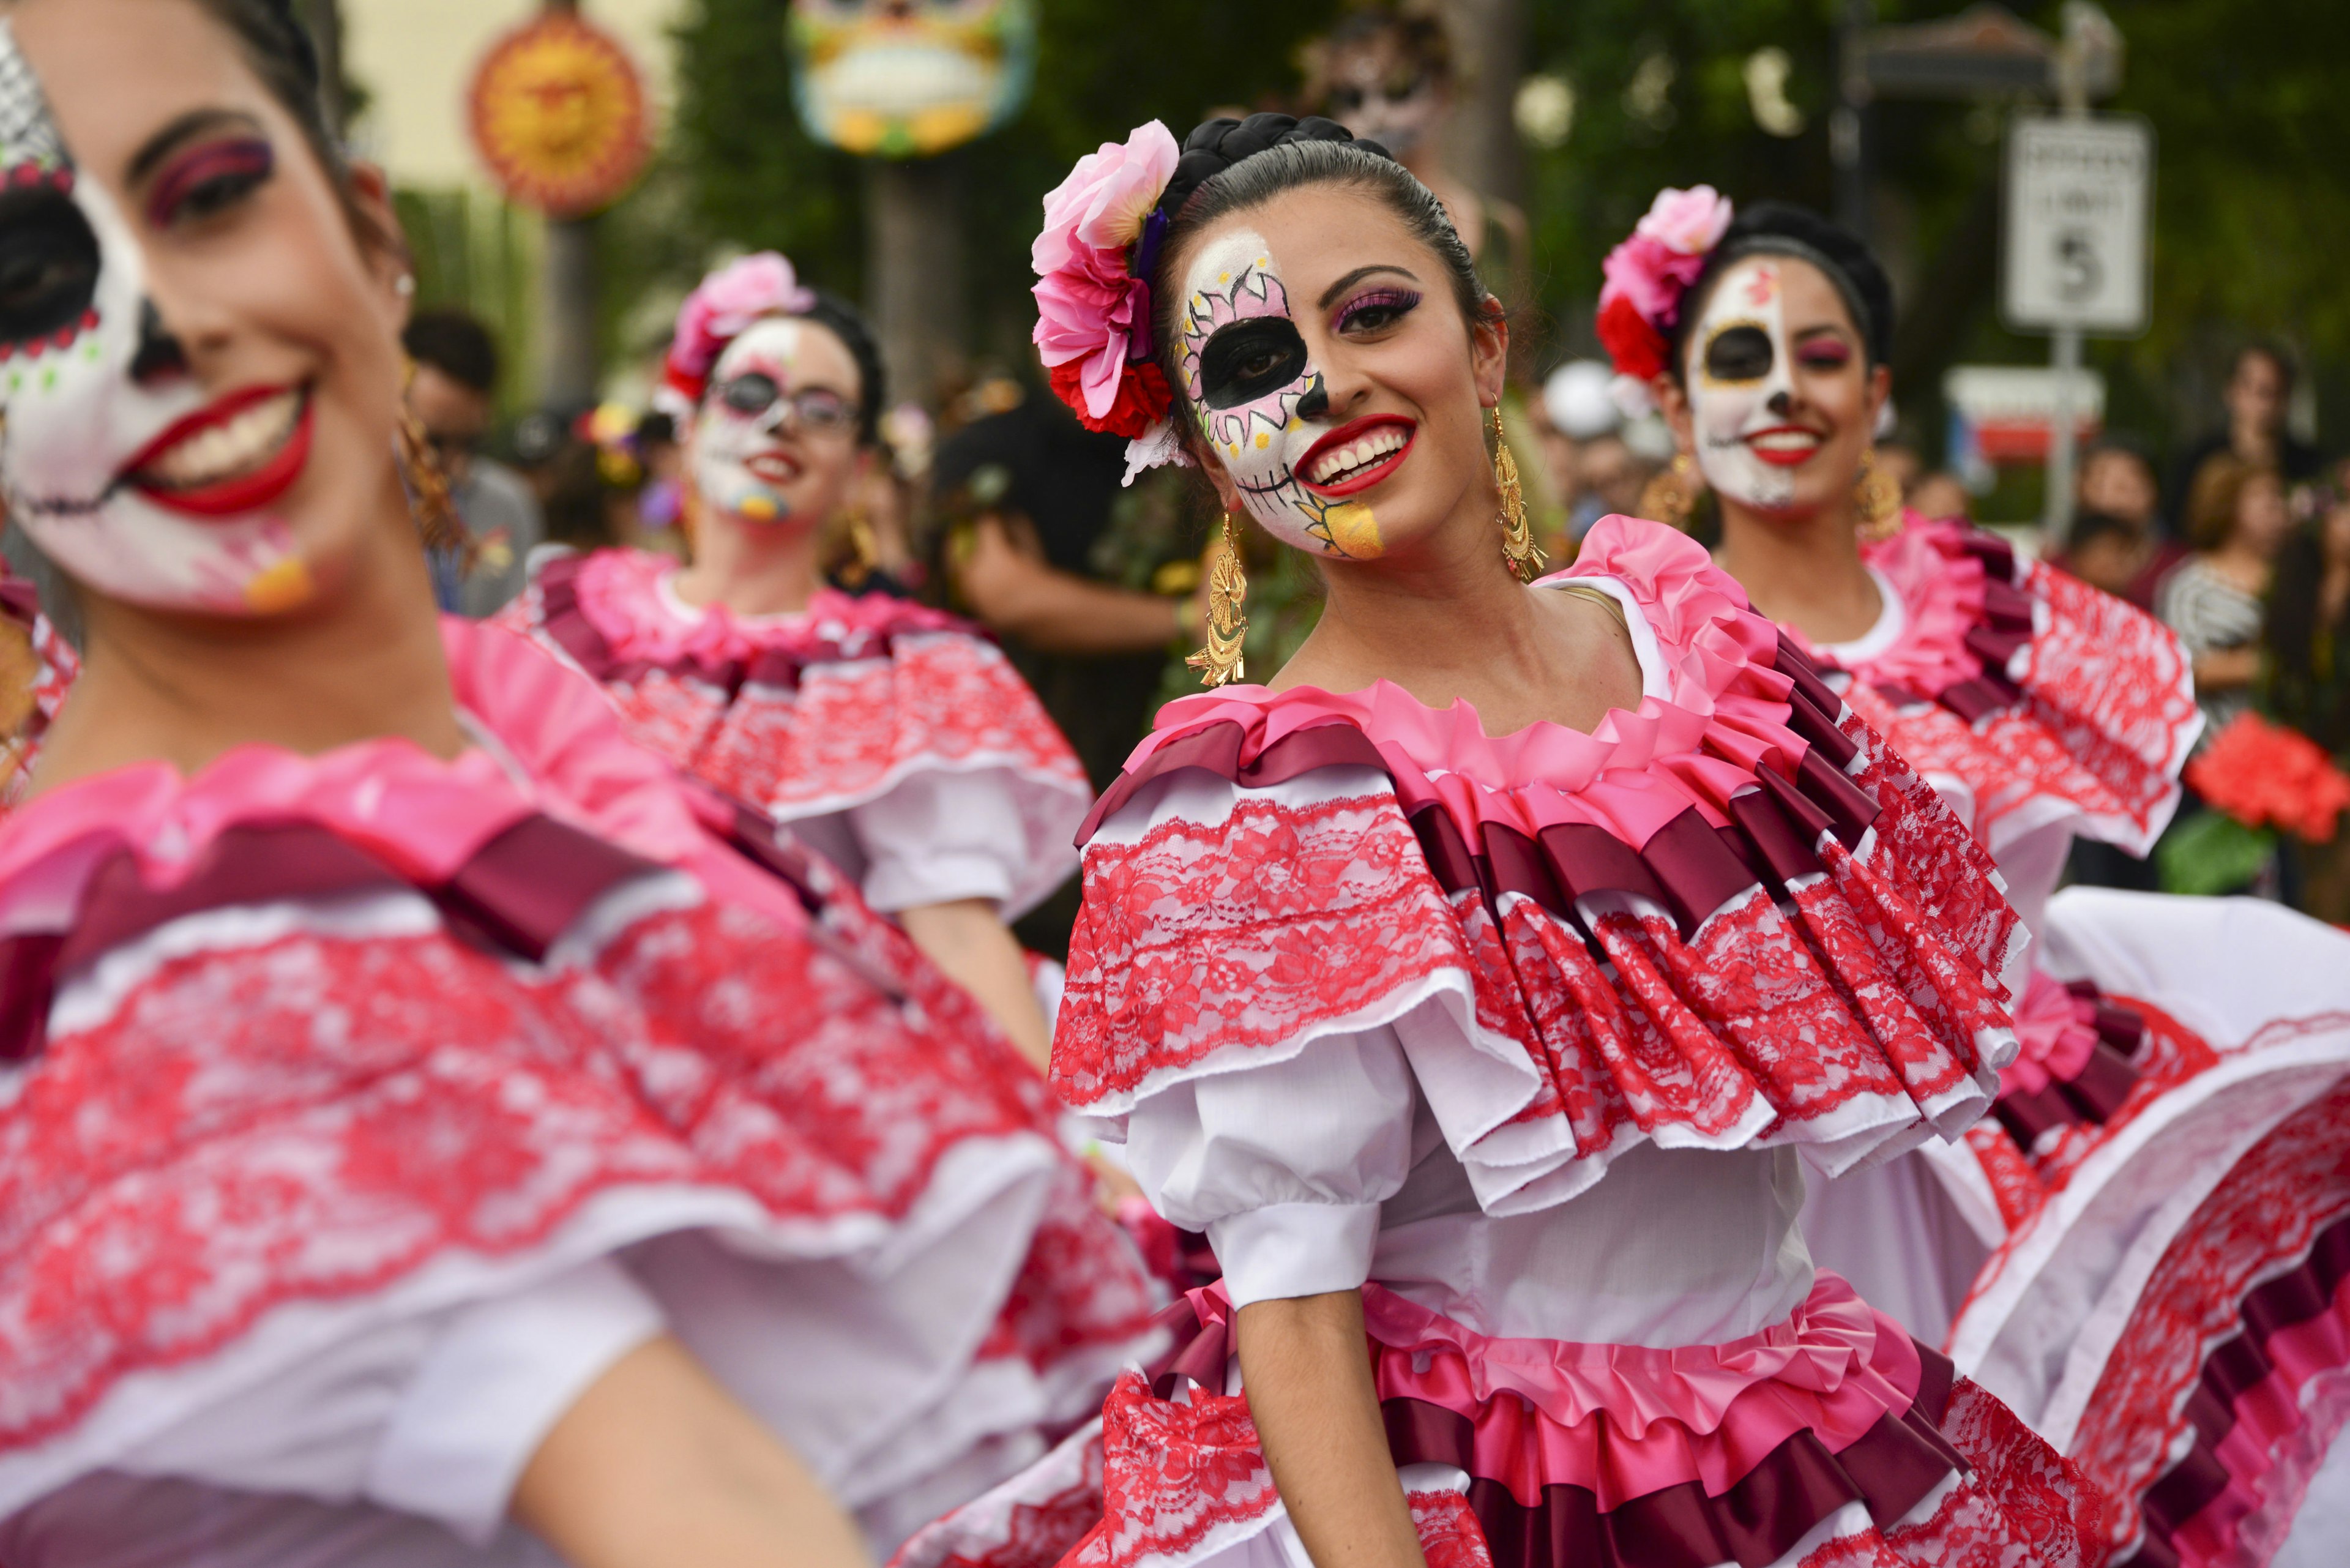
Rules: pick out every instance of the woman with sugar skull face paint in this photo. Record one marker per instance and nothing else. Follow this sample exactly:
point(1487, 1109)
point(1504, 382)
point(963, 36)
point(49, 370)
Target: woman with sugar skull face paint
point(437, 1133)
point(897, 740)
point(2170, 1045)
point(1482, 984)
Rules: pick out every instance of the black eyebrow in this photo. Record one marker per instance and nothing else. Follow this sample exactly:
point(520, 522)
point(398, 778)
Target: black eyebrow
point(185, 129)
point(1331, 294)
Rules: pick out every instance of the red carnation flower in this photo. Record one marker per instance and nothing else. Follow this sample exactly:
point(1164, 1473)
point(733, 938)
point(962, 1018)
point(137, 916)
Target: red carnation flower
point(2262, 773)
point(1141, 399)
point(1636, 348)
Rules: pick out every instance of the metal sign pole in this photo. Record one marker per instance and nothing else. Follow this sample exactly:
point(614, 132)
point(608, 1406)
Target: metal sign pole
point(2064, 347)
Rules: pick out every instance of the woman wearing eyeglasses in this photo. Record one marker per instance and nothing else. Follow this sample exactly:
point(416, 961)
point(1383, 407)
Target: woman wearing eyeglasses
point(895, 740)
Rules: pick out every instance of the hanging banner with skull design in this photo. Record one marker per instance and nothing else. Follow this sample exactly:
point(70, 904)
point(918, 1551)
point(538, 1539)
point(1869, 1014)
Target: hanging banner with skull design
point(908, 79)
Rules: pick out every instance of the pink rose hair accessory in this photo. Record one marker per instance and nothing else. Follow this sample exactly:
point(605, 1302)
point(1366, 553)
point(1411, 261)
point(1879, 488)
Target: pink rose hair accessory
point(1092, 302)
point(1641, 302)
point(717, 313)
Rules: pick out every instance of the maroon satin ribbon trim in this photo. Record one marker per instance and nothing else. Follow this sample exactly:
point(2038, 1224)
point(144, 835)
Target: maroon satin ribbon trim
point(1689, 867)
point(20, 602)
point(571, 626)
point(1758, 1520)
point(2093, 1093)
point(516, 894)
point(2236, 1365)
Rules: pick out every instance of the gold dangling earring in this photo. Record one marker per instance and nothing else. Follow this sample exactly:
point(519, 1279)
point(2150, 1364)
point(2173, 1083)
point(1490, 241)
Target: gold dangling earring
point(1219, 663)
point(1518, 547)
point(1876, 496)
point(1671, 496)
point(436, 515)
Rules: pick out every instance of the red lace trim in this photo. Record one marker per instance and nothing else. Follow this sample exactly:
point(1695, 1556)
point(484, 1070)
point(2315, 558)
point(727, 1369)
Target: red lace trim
point(2096, 719)
point(813, 723)
point(455, 1102)
point(2270, 1209)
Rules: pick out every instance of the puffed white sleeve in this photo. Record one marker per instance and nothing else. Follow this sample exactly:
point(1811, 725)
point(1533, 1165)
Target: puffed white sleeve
point(1285, 1165)
point(940, 837)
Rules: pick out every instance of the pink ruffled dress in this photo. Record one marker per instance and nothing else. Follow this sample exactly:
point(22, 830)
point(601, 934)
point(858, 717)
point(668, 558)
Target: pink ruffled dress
point(358, 1111)
point(2143, 1251)
point(1532, 1038)
point(895, 740)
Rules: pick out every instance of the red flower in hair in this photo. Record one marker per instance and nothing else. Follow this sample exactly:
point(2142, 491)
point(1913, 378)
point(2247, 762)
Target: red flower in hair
point(1142, 398)
point(1636, 348)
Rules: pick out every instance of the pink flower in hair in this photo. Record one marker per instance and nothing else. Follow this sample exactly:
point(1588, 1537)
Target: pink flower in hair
point(728, 301)
point(1641, 302)
point(1091, 310)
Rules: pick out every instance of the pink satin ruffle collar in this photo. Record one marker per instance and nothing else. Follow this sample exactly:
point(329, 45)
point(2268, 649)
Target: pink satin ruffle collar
point(1726, 714)
point(626, 598)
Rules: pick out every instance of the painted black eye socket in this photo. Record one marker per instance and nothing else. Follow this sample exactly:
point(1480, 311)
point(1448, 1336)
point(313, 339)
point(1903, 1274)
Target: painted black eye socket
point(1737, 354)
point(1249, 359)
point(753, 393)
point(48, 265)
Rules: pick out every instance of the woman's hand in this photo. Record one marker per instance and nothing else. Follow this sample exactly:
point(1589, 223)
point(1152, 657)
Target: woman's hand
point(973, 948)
point(1308, 1379)
point(656, 1464)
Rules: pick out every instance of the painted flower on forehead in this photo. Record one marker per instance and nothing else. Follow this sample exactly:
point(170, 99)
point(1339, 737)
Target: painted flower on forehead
point(1093, 314)
point(1640, 301)
point(718, 312)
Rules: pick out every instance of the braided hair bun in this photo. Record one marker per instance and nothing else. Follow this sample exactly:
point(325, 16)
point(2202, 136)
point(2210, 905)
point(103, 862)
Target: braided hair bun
point(1216, 145)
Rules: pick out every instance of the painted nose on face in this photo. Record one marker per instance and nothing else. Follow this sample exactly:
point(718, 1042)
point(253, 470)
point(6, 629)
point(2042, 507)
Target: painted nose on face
point(160, 357)
point(1315, 403)
point(1782, 403)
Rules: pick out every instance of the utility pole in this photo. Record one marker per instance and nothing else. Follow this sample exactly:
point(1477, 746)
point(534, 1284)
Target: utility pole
point(1489, 40)
point(568, 298)
point(1849, 125)
point(2065, 343)
point(914, 271)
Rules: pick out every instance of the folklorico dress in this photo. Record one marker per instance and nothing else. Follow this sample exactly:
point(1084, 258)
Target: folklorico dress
point(895, 740)
point(2140, 1252)
point(358, 1111)
point(1531, 1038)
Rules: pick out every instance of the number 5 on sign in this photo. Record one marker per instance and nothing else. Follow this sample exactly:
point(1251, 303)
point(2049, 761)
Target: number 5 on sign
point(2079, 196)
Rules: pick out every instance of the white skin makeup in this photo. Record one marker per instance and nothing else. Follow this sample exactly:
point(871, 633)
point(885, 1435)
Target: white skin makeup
point(739, 466)
point(1740, 379)
point(1258, 398)
point(125, 473)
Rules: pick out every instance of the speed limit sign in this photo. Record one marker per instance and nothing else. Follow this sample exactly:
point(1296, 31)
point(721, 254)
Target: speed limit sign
point(2078, 194)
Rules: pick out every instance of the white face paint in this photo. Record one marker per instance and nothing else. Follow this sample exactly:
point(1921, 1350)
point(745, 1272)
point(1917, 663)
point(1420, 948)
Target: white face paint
point(111, 458)
point(739, 465)
point(1246, 373)
point(1739, 367)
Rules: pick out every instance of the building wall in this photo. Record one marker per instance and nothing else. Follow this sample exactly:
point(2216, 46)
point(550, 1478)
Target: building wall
point(416, 58)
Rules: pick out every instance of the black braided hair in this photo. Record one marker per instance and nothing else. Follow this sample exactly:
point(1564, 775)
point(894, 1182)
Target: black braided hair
point(1782, 228)
point(1231, 165)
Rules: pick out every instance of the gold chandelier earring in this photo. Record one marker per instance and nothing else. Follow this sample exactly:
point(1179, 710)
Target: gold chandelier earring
point(1220, 663)
point(428, 483)
point(1518, 547)
point(1671, 496)
point(1876, 498)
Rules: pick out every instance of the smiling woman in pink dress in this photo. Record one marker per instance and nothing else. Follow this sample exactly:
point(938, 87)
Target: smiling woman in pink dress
point(1483, 984)
point(2142, 1250)
point(894, 739)
point(431, 1131)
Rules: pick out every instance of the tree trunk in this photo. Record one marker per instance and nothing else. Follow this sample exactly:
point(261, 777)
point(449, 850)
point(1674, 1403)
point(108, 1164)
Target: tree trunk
point(914, 282)
point(567, 314)
point(1489, 47)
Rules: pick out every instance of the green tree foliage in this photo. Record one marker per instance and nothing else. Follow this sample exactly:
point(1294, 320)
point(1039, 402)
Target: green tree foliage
point(754, 178)
point(2252, 215)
